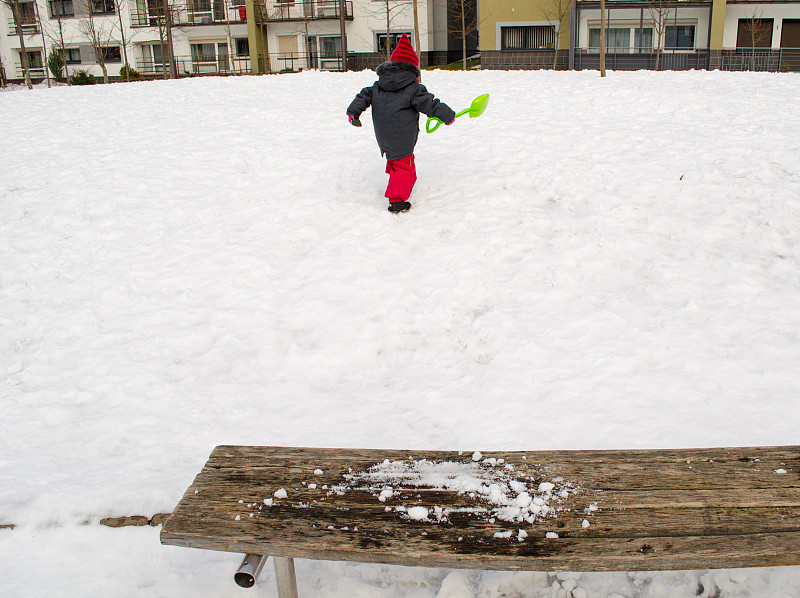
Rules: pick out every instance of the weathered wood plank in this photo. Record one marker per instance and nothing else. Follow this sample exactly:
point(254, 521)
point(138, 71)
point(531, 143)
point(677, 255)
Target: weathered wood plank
point(698, 508)
point(743, 468)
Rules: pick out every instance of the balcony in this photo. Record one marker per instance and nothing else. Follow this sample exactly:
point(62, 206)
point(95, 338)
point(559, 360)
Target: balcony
point(30, 25)
point(270, 11)
point(194, 12)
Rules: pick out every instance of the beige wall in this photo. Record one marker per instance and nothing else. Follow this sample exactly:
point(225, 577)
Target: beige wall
point(524, 11)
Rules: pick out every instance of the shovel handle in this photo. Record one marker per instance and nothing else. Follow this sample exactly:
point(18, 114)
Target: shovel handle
point(437, 123)
point(432, 121)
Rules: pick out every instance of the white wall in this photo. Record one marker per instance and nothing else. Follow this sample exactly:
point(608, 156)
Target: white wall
point(777, 12)
point(631, 18)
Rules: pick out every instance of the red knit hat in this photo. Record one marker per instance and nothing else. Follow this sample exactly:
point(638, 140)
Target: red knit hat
point(404, 52)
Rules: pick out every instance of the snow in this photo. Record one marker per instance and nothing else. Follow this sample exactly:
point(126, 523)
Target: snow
point(495, 492)
point(593, 263)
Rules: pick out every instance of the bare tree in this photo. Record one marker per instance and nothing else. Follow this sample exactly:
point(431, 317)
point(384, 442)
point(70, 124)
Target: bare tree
point(2, 75)
point(466, 23)
point(660, 11)
point(44, 42)
point(556, 12)
point(118, 6)
point(388, 10)
point(100, 33)
point(58, 37)
point(23, 53)
point(757, 30)
point(164, 15)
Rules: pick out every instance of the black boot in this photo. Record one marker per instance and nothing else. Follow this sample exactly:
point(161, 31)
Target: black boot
point(399, 206)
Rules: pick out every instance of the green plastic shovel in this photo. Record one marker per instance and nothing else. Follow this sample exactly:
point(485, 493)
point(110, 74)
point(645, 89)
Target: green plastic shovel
point(477, 108)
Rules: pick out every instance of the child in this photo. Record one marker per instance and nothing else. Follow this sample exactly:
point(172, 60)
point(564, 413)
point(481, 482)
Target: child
point(397, 98)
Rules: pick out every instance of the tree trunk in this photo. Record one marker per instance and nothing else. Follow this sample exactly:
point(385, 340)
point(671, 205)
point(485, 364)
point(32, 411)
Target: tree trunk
point(63, 48)
point(463, 37)
point(343, 33)
point(118, 6)
point(416, 30)
point(556, 39)
point(44, 44)
point(602, 38)
point(388, 37)
point(173, 68)
point(23, 53)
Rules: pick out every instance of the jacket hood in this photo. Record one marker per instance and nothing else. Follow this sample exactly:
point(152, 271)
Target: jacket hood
point(396, 75)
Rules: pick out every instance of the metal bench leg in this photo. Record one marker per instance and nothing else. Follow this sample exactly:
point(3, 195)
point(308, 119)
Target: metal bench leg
point(285, 577)
point(249, 570)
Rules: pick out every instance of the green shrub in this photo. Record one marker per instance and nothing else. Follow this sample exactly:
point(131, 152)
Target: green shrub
point(128, 73)
point(56, 63)
point(81, 77)
point(784, 68)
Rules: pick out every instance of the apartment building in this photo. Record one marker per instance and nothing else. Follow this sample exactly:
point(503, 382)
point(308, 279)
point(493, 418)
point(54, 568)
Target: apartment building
point(195, 37)
point(200, 36)
point(641, 34)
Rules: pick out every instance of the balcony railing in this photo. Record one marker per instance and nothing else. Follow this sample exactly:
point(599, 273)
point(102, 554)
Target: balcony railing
point(293, 62)
point(629, 59)
point(186, 66)
point(30, 26)
point(196, 65)
point(198, 12)
point(269, 11)
point(762, 59)
point(35, 72)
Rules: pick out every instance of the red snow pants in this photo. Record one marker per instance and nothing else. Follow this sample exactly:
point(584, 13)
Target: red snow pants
point(402, 176)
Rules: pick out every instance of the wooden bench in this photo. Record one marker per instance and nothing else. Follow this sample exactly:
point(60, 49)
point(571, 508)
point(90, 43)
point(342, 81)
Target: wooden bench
point(624, 510)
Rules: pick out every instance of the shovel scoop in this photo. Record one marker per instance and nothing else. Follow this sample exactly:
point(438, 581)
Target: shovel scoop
point(477, 108)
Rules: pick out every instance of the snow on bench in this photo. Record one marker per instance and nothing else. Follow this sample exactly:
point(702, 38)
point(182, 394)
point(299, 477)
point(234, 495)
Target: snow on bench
point(624, 510)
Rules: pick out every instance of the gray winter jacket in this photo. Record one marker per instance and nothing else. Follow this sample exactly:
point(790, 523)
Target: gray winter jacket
point(397, 99)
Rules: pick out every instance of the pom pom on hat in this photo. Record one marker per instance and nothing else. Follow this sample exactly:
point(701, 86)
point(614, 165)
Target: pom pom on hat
point(404, 52)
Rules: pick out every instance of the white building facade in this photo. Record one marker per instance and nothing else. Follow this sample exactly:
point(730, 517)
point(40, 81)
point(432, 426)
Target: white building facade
point(195, 37)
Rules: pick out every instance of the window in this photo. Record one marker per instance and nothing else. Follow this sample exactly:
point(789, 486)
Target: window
point(61, 8)
point(618, 39)
point(533, 37)
point(754, 33)
point(325, 52)
point(210, 57)
point(153, 60)
point(394, 39)
point(200, 10)
point(35, 60)
point(203, 53)
point(27, 13)
point(643, 39)
point(679, 37)
point(102, 6)
point(72, 55)
point(242, 46)
point(329, 47)
point(112, 54)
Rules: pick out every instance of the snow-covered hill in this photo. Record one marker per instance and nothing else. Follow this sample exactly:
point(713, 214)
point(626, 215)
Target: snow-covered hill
point(593, 263)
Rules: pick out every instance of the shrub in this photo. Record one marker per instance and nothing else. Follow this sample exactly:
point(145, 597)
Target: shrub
point(128, 73)
point(81, 77)
point(784, 68)
point(55, 62)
